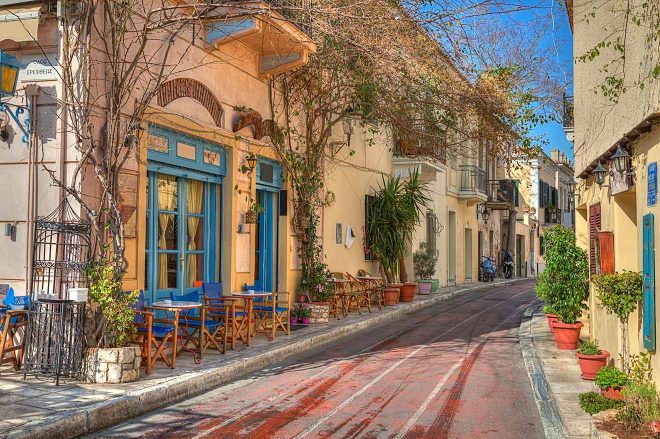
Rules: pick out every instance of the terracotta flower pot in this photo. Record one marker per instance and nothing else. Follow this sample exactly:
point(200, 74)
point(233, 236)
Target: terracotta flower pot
point(398, 287)
point(612, 393)
point(567, 335)
point(654, 426)
point(424, 287)
point(408, 292)
point(551, 319)
point(391, 295)
point(591, 364)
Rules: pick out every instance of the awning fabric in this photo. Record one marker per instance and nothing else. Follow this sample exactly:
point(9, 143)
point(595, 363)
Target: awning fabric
point(19, 23)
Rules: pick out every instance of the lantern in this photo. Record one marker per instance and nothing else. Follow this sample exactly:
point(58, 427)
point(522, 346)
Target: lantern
point(599, 173)
point(252, 162)
point(8, 74)
point(621, 158)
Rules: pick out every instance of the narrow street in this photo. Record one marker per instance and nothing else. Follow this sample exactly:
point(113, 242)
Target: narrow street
point(453, 370)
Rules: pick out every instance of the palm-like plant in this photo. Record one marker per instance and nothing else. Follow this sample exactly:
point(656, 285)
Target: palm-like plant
point(394, 213)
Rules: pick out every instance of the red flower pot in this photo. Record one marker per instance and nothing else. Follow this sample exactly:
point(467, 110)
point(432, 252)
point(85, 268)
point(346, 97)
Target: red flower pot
point(612, 393)
point(551, 320)
point(408, 292)
point(567, 335)
point(654, 426)
point(591, 364)
point(391, 295)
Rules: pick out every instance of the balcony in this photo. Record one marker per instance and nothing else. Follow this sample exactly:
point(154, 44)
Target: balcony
point(567, 117)
point(552, 216)
point(472, 187)
point(502, 195)
point(278, 30)
point(421, 140)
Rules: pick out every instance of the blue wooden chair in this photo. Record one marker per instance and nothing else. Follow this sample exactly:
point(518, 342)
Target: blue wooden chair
point(213, 298)
point(155, 336)
point(204, 327)
point(271, 313)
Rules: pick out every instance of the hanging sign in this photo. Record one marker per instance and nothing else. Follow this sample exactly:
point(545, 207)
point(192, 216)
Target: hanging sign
point(652, 188)
point(37, 68)
point(619, 182)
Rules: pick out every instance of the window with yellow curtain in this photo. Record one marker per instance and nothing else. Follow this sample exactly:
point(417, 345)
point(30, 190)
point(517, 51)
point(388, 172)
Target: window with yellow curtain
point(167, 230)
point(195, 224)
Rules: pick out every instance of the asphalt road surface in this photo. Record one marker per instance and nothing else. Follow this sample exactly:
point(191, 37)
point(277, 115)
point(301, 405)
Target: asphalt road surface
point(453, 370)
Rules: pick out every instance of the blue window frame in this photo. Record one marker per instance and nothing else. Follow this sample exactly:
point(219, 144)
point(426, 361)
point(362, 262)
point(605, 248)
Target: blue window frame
point(183, 194)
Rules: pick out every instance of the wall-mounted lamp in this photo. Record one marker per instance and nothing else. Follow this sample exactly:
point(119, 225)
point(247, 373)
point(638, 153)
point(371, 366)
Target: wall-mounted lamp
point(482, 210)
point(252, 162)
point(9, 68)
point(621, 160)
point(347, 125)
point(571, 185)
point(600, 172)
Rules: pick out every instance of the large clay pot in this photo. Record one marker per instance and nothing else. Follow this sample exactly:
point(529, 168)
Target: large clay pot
point(612, 393)
point(424, 286)
point(567, 335)
point(408, 292)
point(391, 295)
point(591, 364)
point(398, 287)
point(551, 320)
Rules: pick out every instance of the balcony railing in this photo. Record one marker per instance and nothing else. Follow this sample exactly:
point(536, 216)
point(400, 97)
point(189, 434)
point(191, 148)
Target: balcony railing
point(473, 179)
point(420, 140)
point(567, 116)
point(502, 193)
point(552, 216)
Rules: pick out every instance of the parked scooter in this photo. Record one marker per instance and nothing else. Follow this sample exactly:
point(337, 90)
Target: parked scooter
point(508, 264)
point(488, 270)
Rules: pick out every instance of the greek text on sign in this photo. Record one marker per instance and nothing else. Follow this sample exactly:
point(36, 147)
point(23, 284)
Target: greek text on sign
point(38, 68)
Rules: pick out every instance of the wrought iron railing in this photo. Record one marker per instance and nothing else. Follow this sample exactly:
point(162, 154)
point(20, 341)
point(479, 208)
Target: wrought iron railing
point(567, 116)
point(473, 178)
point(419, 139)
point(502, 191)
point(552, 215)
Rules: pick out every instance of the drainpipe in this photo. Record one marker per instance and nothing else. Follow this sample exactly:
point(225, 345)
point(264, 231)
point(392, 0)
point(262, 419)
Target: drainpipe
point(31, 92)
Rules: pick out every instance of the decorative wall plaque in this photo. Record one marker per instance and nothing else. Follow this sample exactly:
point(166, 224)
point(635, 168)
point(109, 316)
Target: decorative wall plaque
point(127, 194)
point(211, 157)
point(157, 143)
point(185, 151)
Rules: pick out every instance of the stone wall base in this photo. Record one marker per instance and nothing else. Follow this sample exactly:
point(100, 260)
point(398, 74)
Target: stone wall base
point(320, 311)
point(112, 365)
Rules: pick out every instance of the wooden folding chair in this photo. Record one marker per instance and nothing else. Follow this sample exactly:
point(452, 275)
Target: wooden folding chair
point(275, 313)
point(155, 336)
point(11, 322)
point(217, 303)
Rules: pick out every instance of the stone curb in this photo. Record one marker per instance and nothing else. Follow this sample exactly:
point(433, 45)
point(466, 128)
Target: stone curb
point(553, 425)
point(191, 384)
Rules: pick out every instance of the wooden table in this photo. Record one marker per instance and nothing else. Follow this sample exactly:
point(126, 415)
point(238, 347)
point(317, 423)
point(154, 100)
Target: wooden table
point(184, 309)
point(249, 299)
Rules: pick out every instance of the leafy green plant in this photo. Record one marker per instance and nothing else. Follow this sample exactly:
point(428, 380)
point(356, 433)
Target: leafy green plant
point(394, 214)
point(564, 284)
point(304, 312)
point(611, 377)
point(548, 309)
point(592, 402)
point(116, 306)
point(642, 405)
point(639, 368)
point(589, 348)
point(620, 294)
point(424, 261)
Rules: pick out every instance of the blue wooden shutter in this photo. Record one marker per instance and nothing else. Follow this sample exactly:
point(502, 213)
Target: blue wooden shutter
point(649, 283)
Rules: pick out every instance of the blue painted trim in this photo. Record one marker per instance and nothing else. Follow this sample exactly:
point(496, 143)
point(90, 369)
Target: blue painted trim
point(267, 220)
point(174, 161)
point(278, 178)
point(221, 30)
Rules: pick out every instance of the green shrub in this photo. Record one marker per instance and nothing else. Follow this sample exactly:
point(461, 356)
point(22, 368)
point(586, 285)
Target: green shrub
point(589, 348)
point(564, 284)
point(424, 261)
point(639, 368)
point(592, 402)
point(612, 377)
point(641, 405)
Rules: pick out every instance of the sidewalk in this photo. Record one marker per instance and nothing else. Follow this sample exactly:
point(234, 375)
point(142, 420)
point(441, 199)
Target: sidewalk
point(37, 408)
point(555, 378)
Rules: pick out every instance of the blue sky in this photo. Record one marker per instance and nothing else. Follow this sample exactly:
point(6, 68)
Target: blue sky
point(559, 44)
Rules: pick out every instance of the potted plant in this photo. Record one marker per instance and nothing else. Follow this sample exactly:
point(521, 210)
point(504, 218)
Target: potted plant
point(305, 314)
point(550, 316)
point(295, 315)
point(424, 261)
point(564, 284)
point(592, 358)
point(619, 294)
point(252, 214)
point(542, 288)
point(393, 215)
point(113, 360)
point(611, 380)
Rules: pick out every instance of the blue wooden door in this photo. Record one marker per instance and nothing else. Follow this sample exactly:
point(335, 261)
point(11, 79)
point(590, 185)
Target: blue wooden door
point(649, 282)
point(265, 236)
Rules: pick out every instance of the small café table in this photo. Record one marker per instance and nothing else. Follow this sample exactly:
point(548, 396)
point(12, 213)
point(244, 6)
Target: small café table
point(184, 309)
point(249, 300)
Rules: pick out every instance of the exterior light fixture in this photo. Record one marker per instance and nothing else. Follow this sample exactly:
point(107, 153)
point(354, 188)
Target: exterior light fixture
point(621, 160)
point(600, 172)
point(9, 68)
point(252, 162)
point(347, 125)
point(482, 210)
point(571, 185)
